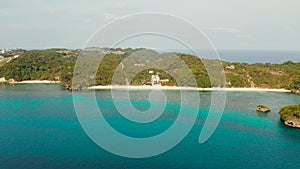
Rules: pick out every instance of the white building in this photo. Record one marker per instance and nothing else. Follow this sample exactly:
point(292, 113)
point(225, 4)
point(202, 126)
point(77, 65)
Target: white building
point(155, 80)
point(232, 67)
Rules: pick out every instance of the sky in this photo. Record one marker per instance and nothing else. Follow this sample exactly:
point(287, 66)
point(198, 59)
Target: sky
point(229, 24)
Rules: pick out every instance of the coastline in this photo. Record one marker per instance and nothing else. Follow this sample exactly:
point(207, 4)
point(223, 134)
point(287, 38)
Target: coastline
point(35, 82)
point(120, 87)
point(188, 88)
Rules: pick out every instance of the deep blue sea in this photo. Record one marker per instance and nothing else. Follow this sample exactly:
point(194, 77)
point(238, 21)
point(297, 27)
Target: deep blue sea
point(39, 129)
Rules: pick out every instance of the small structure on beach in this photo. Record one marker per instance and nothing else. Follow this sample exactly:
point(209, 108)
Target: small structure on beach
point(155, 80)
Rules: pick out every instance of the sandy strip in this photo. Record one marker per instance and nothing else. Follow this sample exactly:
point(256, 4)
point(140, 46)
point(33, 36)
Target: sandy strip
point(37, 82)
point(188, 88)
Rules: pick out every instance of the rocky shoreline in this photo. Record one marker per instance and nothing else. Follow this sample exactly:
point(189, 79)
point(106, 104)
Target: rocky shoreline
point(290, 115)
point(295, 91)
point(292, 123)
point(262, 108)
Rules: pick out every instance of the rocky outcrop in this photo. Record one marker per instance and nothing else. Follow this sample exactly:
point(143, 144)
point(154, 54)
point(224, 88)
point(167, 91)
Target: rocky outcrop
point(3, 80)
point(295, 91)
point(292, 123)
point(72, 88)
point(290, 115)
point(262, 108)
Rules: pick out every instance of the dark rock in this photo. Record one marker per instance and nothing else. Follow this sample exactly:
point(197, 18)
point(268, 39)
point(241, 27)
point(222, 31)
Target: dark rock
point(262, 108)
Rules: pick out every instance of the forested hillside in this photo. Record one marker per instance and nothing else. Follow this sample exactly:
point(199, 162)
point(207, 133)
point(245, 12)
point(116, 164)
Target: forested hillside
point(58, 64)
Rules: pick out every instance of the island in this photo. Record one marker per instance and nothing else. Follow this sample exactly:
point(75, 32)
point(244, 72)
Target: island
point(262, 108)
point(290, 115)
point(57, 65)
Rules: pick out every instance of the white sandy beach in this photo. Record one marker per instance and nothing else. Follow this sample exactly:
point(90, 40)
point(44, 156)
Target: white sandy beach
point(187, 88)
point(37, 82)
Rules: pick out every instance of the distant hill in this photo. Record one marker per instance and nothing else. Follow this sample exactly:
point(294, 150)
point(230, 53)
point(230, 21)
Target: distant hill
point(58, 64)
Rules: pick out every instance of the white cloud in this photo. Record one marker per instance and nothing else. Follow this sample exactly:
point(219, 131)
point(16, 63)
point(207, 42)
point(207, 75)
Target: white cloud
point(224, 29)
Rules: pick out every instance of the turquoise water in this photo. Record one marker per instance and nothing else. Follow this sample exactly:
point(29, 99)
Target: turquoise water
point(39, 129)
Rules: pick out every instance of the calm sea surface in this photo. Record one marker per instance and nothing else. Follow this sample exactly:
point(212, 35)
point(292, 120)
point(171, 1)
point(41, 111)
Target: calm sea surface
point(39, 129)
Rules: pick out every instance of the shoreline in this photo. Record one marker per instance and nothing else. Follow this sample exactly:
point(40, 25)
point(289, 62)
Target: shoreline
point(188, 88)
point(120, 87)
point(35, 82)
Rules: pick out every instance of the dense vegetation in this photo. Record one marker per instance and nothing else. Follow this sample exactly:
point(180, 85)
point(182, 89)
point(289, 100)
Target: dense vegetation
point(291, 112)
point(58, 64)
point(52, 64)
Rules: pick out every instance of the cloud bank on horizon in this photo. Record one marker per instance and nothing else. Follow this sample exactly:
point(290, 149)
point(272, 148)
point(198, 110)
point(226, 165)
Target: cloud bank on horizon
point(230, 24)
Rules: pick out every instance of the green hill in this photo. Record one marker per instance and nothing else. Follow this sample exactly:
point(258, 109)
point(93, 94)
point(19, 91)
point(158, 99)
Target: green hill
point(58, 64)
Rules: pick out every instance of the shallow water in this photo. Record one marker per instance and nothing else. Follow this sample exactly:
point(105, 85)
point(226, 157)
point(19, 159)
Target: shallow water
point(39, 129)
